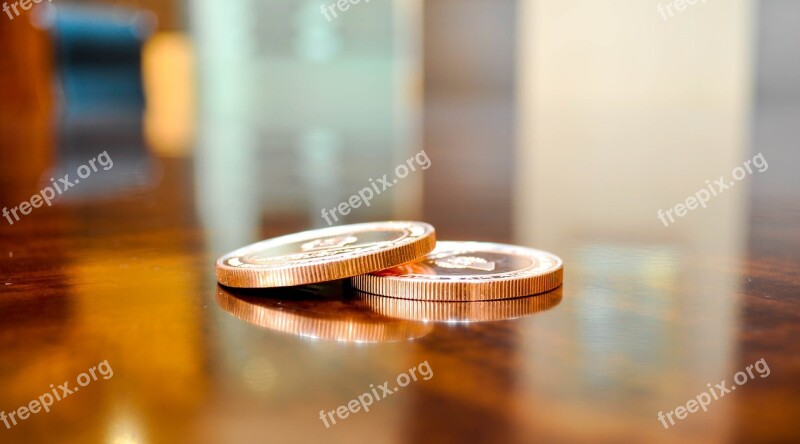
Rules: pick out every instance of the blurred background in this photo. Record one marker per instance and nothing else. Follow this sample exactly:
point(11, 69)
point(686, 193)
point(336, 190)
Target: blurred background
point(555, 93)
point(560, 124)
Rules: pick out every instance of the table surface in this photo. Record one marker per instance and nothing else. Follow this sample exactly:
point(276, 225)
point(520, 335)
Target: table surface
point(635, 330)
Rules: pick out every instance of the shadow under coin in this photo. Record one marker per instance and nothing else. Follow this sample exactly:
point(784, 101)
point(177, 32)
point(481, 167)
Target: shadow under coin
point(319, 311)
point(479, 311)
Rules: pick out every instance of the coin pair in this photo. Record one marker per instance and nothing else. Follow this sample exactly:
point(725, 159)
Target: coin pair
point(397, 259)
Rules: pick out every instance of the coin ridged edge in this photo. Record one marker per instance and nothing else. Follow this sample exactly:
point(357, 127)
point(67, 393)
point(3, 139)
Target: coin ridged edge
point(470, 311)
point(459, 291)
point(329, 271)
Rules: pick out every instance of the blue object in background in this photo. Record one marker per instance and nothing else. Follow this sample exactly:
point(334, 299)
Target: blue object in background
point(100, 91)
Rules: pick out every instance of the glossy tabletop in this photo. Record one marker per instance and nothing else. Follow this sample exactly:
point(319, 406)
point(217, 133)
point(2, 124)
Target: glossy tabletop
point(656, 156)
point(636, 329)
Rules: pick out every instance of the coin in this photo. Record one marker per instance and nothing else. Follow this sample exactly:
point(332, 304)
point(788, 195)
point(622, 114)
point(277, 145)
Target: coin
point(480, 311)
point(468, 271)
point(320, 311)
point(325, 254)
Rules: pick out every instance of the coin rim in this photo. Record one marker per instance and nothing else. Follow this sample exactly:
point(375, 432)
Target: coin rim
point(461, 311)
point(354, 264)
point(429, 288)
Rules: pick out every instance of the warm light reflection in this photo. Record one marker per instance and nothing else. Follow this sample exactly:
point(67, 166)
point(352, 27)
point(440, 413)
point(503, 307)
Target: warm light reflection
point(311, 312)
point(125, 428)
point(153, 342)
point(167, 69)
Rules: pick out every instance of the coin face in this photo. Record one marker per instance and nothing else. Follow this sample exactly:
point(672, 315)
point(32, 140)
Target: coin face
point(450, 311)
point(325, 254)
point(468, 271)
point(321, 311)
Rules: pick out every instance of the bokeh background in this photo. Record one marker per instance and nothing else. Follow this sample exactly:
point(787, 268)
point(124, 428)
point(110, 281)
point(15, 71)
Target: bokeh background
point(560, 124)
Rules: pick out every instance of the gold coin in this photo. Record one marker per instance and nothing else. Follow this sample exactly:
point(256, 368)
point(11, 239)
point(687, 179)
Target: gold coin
point(480, 311)
point(468, 271)
point(325, 254)
point(318, 311)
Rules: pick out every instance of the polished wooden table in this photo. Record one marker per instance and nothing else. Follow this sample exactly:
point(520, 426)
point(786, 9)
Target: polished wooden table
point(128, 279)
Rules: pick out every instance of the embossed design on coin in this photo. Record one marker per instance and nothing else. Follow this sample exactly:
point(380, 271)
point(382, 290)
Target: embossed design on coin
point(471, 262)
point(331, 242)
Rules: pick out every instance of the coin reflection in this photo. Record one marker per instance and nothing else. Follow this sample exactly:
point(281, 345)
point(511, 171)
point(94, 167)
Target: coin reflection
point(320, 311)
point(437, 311)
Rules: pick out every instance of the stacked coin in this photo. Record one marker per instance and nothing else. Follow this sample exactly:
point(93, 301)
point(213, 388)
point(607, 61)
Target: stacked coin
point(326, 254)
point(394, 259)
